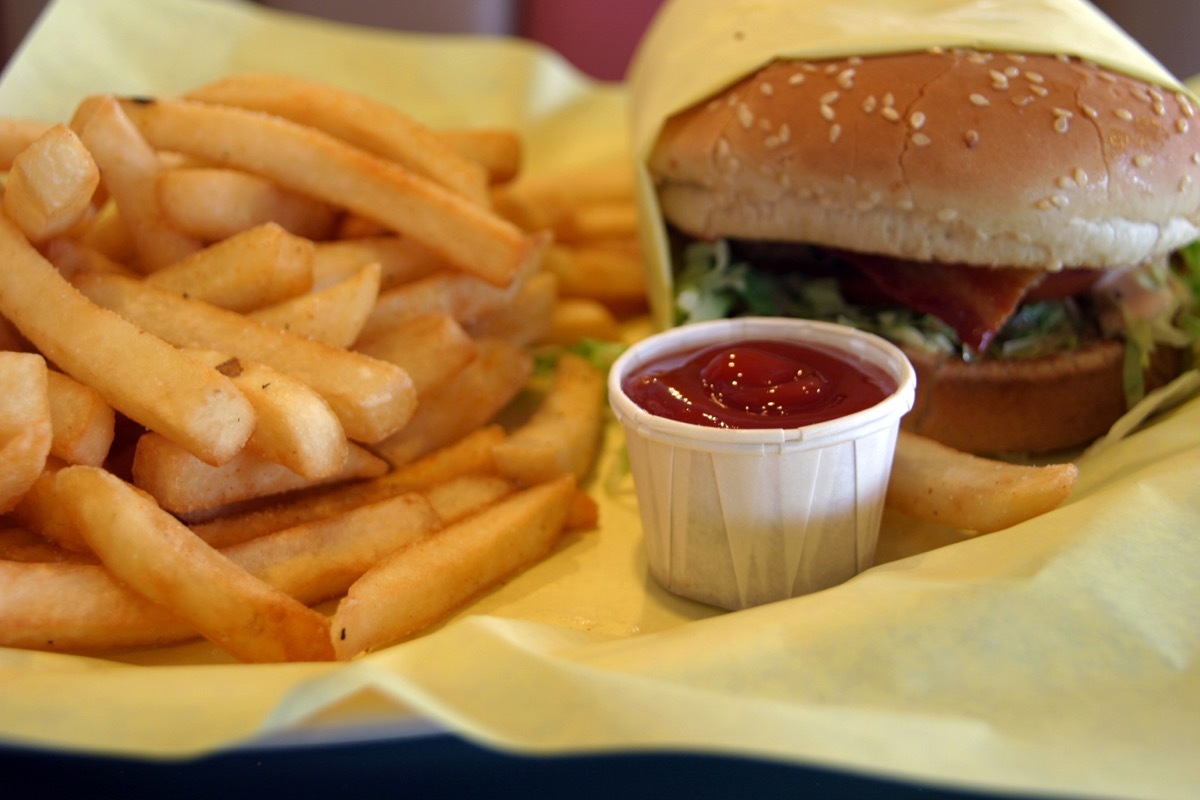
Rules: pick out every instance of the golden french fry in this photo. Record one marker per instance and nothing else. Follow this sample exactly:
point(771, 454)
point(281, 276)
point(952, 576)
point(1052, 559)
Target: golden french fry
point(50, 184)
point(212, 204)
point(295, 427)
point(372, 398)
point(419, 584)
point(455, 294)
point(526, 319)
point(471, 454)
point(17, 133)
point(544, 201)
point(563, 435)
point(376, 127)
point(18, 544)
point(467, 401)
point(26, 430)
point(185, 485)
point(334, 315)
point(72, 256)
point(460, 497)
point(42, 511)
point(154, 554)
point(82, 420)
point(497, 150)
point(611, 273)
point(431, 348)
point(577, 318)
point(319, 559)
point(255, 268)
point(599, 222)
point(107, 234)
point(305, 160)
point(130, 168)
point(399, 260)
point(935, 483)
point(139, 375)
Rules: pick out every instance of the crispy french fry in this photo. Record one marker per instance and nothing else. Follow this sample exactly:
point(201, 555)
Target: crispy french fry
point(26, 430)
point(308, 161)
point(334, 315)
point(130, 168)
point(18, 544)
point(611, 273)
point(295, 427)
point(467, 401)
point(576, 318)
point(72, 256)
point(399, 260)
point(421, 583)
point(212, 204)
point(456, 294)
point(524, 321)
point(935, 483)
point(472, 453)
point(599, 222)
point(185, 485)
point(376, 127)
point(255, 268)
point(563, 435)
point(498, 150)
point(50, 184)
point(42, 511)
point(372, 398)
point(139, 375)
point(82, 420)
point(431, 348)
point(153, 553)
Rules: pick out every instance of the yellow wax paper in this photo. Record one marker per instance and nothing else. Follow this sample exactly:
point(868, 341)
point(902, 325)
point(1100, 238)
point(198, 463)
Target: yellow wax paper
point(695, 48)
point(1059, 656)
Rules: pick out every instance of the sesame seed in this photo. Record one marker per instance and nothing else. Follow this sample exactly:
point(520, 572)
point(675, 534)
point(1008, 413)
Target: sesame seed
point(1141, 94)
point(1017, 57)
point(921, 140)
point(1040, 91)
point(854, 61)
point(1064, 182)
point(1080, 176)
point(1044, 204)
point(785, 132)
point(1060, 200)
point(771, 142)
point(744, 115)
point(1142, 160)
point(1088, 111)
point(1011, 72)
point(917, 120)
point(831, 68)
point(947, 215)
point(845, 79)
point(827, 112)
point(1185, 183)
point(713, 105)
point(1123, 113)
point(999, 79)
point(835, 132)
point(971, 138)
point(1181, 125)
point(890, 114)
point(1185, 105)
point(764, 124)
point(889, 100)
point(1159, 108)
point(722, 147)
point(869, 104)
point(767, 89)
point(1196, 158)
point(1023, 101)
point(1107, 77)
point(979, 100)
point(796, 78)
point(830, 97)
point(1035, 77)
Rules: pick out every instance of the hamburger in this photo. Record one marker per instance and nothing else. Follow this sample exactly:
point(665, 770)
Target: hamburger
point(1016, 222)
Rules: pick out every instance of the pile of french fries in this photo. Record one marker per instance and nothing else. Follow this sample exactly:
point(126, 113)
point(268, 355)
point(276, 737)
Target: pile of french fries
point(254, 344)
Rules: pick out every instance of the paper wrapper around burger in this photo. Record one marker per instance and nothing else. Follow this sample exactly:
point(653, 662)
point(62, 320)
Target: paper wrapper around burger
point(696, 48)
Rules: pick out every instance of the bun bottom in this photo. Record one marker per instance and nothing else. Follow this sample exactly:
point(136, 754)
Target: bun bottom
point(1040, 405)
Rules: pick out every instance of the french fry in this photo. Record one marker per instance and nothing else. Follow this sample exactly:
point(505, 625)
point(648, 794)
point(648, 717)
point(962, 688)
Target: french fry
point(431, 348)
point(42, 511)
point(465, 402)
point(139, 375)
point(305, 160)
point(258, 267)
point(376, 127)
point(154, 554)
point(935, 483)
point(295, 427)
point(576, 318)
point(26, 430)
point(472, 453)
point(50, 184)
point(419, 584)
point(526, 320)
point(130, 168)
point(372, 398)
point(72, 256)
point(611, 273)
point(399, 260)
point(460, 497)
point(82, 421)
point(563, 435)
point(212, 204)
point(18, 544)
point(334, 315)
point(185, 485)
point(456, 294)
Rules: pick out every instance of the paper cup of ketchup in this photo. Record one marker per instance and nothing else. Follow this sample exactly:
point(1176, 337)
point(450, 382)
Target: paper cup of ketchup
point(760, 450)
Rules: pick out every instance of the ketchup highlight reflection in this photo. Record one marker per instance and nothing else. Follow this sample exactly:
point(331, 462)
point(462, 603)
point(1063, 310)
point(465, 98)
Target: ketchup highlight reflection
point(757, 384)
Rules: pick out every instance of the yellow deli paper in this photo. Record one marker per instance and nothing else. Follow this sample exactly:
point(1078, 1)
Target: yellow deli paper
point(695, 48)
point(1060, 656)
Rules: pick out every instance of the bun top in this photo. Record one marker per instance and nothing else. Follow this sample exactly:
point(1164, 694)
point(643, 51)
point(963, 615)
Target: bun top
point(957, 156)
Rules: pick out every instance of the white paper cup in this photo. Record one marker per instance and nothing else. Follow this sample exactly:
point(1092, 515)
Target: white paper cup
point(738, 518)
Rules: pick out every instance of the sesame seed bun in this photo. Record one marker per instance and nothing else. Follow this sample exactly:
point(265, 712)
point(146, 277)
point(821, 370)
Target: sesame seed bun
point(960, 157)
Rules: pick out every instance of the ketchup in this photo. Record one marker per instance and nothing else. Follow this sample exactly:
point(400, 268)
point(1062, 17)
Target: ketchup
point(757, 383)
